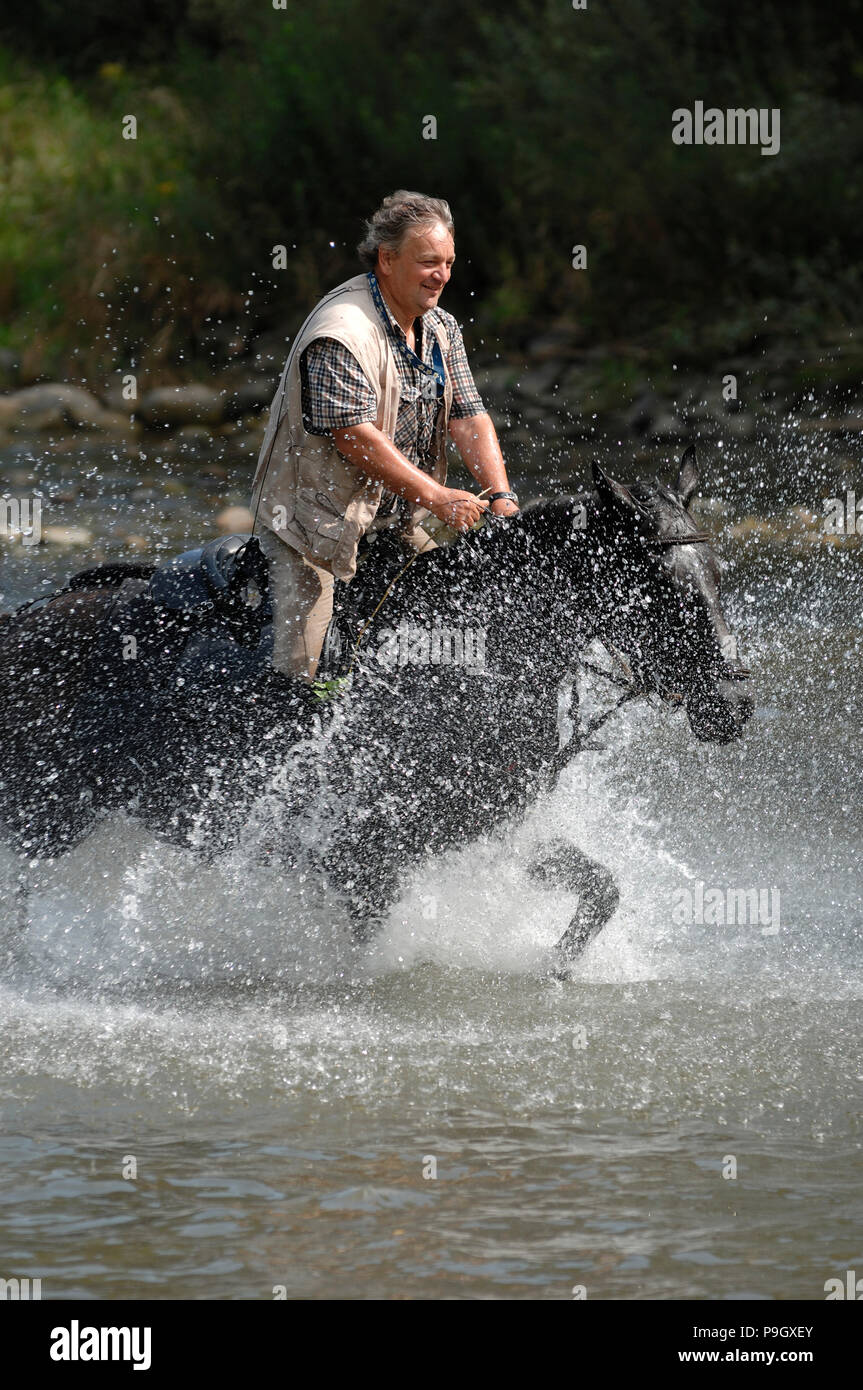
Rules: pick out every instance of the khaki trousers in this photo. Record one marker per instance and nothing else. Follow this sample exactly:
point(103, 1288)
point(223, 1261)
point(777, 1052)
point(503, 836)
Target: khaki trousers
point(302, 599)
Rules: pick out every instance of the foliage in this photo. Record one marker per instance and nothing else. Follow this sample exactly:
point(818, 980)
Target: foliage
point(259, 127)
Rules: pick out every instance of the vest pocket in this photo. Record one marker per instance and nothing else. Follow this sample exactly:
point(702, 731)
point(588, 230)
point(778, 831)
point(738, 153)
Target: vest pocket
point(319, 520)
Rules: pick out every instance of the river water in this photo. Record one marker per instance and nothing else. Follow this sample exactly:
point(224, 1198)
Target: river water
point(203, 1096)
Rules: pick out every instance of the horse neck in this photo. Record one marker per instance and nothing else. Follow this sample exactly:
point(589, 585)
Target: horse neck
point(579, 575)
point(515, 577)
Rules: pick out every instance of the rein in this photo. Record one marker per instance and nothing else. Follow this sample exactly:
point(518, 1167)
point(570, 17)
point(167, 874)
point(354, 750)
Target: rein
point(386, 595)
point(580, 741)
point(379, 605)
point(631, 691)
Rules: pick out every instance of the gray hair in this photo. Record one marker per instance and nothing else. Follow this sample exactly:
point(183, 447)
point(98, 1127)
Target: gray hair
point(400, 213)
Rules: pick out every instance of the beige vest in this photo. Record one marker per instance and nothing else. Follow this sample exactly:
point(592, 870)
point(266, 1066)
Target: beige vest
point(304, 490)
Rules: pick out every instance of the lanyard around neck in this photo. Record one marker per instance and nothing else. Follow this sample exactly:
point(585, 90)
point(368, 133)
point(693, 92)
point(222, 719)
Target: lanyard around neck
point(436, 370)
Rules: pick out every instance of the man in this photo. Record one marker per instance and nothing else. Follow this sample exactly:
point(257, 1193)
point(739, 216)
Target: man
point(375, 380)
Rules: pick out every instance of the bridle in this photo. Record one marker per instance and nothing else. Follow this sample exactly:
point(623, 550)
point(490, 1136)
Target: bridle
point(632, 689)
point(727, 671)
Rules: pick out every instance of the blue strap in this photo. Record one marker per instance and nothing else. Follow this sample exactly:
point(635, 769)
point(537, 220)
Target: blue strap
point(436, 370)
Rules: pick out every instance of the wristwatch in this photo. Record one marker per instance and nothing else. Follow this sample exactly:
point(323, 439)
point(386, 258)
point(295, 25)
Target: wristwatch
point(499, 496)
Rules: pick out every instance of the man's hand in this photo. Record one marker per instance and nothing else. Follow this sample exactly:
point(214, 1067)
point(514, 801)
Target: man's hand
point(460, 510)
point(476, 439)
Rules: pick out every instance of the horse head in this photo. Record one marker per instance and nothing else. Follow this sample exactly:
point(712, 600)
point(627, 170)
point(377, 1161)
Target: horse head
point(664, 607)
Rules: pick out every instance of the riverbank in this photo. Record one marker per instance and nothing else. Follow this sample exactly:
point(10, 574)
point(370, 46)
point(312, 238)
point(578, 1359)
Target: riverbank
point(552, 395)
point(779, 429)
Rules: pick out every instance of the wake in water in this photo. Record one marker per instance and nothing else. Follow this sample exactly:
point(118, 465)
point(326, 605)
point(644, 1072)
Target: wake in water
point(127, 908)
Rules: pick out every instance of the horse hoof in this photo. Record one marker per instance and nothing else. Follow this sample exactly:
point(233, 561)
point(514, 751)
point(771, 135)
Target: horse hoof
point(559, 972)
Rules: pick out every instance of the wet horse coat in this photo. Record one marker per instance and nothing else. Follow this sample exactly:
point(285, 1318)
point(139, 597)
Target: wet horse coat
point(415, 758)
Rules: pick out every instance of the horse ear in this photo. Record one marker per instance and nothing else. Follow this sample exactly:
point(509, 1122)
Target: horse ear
point(688, 478)
point(611, 493)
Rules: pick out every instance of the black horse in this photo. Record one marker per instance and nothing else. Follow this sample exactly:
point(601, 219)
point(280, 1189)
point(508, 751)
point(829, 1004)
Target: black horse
point(116, 694)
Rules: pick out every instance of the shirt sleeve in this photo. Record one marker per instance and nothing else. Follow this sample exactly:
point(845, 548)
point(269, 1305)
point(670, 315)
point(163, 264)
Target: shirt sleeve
point(336, 390)
point(466, 399)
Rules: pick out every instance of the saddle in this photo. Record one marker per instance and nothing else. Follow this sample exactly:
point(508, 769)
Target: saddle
point(223, 589)
point(224, 580)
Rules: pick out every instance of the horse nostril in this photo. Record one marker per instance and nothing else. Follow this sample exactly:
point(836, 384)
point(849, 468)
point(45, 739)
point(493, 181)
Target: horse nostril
point(718, 715)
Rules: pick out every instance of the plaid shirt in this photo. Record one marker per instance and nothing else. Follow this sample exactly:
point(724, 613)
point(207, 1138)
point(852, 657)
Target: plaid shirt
point(337, 393)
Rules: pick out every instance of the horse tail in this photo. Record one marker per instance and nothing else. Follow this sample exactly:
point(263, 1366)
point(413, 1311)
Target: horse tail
point(53, 656)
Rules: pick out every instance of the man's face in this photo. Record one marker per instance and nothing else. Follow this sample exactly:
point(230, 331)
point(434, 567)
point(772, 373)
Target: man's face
point(414, 276)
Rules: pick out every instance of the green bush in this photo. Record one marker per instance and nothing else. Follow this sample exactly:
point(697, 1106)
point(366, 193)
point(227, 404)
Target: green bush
point(259, 127)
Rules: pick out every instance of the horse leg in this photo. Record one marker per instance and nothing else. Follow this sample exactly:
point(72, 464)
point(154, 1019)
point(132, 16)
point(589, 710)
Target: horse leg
point(367, 903)
point(367, 887)
point(22, 902)
point(12, 939)
point(366, 918)
point(562, 865)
